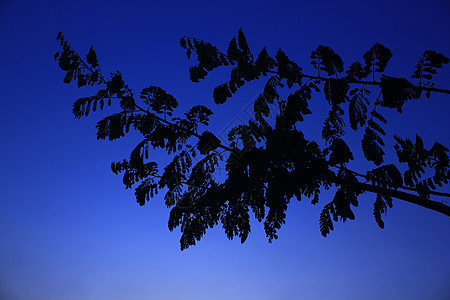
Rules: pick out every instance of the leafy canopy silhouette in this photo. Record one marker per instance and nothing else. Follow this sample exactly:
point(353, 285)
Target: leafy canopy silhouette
point(268, 162)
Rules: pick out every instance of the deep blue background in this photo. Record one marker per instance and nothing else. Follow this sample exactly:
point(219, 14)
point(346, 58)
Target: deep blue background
point(69, 229)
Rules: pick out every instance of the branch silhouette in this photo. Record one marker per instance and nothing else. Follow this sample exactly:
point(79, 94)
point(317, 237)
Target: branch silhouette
point(268, 162)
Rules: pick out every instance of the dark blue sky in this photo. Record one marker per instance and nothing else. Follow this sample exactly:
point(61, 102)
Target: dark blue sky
point(69, 229)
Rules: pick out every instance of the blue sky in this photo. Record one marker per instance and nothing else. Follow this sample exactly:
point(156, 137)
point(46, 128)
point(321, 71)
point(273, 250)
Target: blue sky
point(69, 229)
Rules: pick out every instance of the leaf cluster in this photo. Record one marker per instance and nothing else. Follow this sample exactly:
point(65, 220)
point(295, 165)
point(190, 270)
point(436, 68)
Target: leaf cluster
point(268, 161)
point(427, 67)
point(419, 159)
point(85, 73)
point(325, 59)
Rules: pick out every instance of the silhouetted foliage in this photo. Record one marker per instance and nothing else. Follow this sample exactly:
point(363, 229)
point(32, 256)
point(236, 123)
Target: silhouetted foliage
point(268, 162)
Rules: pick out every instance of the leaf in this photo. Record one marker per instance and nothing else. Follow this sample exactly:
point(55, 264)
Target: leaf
point(158, 99)
point(69, 77)
point(342, 200)
point(91, 58)
point(356, 71)
point(115, 85)
point(377, 58)
point(357, 110)
point(379, 207)
point(372, 124)
point(264, 62)
point(333, 124)
point(82, 106)
point(233, 53)
point(138, 153)
point(428, 63)
point(336, 91)
point(183, 43)
point(340, 152)
point(288, 69)
point(242, 42)
point(68, 60)
point(146, 190)
point(243, 133)
point(315, 200)
point(297, 105)
point(386, 176)
point(173, 175)
point(196, 73)
point(111, 127)
point(325, 222)
point(270, 89)
point(435, 59)
point(221, 93)
point(375, 114)
point(396, 91)
point(371, 145)
point(324, 58)
point(208, 57)
point(418, 158)
point(199, 114)
point(261, 107)
point(207, 142)
point(127, 103)
point(81, 80)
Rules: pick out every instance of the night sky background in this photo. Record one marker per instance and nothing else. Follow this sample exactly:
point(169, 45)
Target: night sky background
point(70, 230)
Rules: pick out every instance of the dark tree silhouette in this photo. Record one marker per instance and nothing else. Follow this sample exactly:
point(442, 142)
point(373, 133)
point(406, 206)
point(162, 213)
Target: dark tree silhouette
point(268, 162)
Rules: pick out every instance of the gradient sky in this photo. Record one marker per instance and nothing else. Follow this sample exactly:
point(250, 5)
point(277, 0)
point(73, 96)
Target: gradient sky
point(69, 229)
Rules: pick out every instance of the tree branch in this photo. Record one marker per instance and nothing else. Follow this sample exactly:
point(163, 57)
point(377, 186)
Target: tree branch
point(418, 200)
point(428, 89)
point(402, 186)
point(139, 108)
point(423, 88)
point(411, 198)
